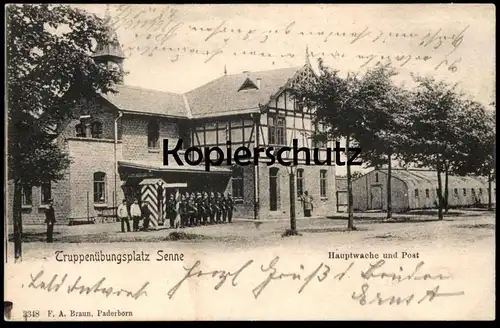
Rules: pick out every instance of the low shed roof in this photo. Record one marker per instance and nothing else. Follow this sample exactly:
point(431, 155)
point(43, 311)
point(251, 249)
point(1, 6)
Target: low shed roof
point(427, 179)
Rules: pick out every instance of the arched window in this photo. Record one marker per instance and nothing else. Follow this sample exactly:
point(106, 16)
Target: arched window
point(426, 193)
point(99, 187)
point(237, 182)
point(300, 182)
point(416, 192)
point(376, 177)
point(80, 130)
point(96, 129)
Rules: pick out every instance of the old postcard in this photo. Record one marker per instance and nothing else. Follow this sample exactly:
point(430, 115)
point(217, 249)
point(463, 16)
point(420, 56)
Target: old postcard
point(250, 162)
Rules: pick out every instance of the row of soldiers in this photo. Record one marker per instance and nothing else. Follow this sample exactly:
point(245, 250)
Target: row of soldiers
point(197, 209)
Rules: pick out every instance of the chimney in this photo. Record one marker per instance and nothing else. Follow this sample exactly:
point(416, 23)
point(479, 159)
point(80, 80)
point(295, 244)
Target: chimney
point(258, 82)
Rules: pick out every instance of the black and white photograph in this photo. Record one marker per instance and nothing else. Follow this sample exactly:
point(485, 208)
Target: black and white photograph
point(213, 162)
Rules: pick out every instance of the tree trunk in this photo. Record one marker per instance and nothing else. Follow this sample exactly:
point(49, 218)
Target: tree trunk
point(440, 198)
point(389, 189)
point(293, 221)
point(490, 207)
point(18, 223)
point(446, 190)
point(350, 215)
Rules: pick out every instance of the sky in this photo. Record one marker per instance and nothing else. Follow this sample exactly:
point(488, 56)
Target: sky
point(177, 48)
point(174, 47)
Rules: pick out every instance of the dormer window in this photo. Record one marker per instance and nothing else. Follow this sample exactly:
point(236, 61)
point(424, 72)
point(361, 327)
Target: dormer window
point(96, 129)
point(80, 130)
point(248, 85)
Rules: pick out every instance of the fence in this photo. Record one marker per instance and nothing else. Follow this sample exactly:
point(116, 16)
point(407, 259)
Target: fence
point(96, 214)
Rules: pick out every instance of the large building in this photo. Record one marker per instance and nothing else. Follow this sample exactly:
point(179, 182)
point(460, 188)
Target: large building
point(115, 143)
point(416, 189)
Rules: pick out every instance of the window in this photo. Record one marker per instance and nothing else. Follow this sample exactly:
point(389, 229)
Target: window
point(473, 191)
point(99, 187)
point(320, 128)
point(465, 192)
point(480, 191)
point(80, 130)
point(237, 182)
point(416, 192)
point(27, 195)
point(322, 183)
point(455, 192)
point(153, 133)
point(46, 193)
point(276, 130)
point(298, 105)
point(376, 177)
point(96, 130)
point(427, 193)
point(300, 182)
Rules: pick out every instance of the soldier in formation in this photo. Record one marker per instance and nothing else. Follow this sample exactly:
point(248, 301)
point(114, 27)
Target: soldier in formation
point(200, 208)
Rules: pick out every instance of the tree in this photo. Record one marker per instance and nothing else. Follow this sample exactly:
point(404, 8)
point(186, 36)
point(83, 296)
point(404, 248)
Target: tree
point(49, 69)
point(383, 132)
point(338, 105)
point(478, 141)
point(433, 128)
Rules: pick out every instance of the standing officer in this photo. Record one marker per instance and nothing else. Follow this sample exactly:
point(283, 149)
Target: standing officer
point(206, 207)
point(213, 207)
point(230, 208)
point(50, 219)
point(183, 211)
point(224, 208)
point(145, 213)
point(192, 210)
point(308, 205)
point(171, 210)
point(200, 208)
point(135, 212)
point(219, 207)
point(123, 215)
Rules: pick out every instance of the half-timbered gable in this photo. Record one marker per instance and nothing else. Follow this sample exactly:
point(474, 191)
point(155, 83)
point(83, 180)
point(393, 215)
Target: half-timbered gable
point(115, 142)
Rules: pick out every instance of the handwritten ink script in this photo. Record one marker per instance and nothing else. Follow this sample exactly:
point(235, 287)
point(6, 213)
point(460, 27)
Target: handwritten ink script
point(163, 30)
point(368, 292)
point(55, 283)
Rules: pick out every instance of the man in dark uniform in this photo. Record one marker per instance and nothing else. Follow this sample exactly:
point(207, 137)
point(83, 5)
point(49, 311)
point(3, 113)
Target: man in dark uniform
point(218, 218)
point(224, 208)
point(50, 219)
point(213, 207)
point(183, 211)
point(171, 210)
point(191, 210)
point(206, 208)
point(145, 213)
point(200, 209)
point(230, 208)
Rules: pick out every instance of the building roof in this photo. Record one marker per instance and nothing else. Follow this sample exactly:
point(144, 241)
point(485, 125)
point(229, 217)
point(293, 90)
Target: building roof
point(140, 100)
point(427, 179)
point(174, 167)
point(110, 46)
point(219, 97)
point(223, 96)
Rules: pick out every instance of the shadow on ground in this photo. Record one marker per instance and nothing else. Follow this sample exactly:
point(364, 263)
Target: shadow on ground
point(476, 226)
point(323, 230)
point(111, 238)
point(399, 219)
